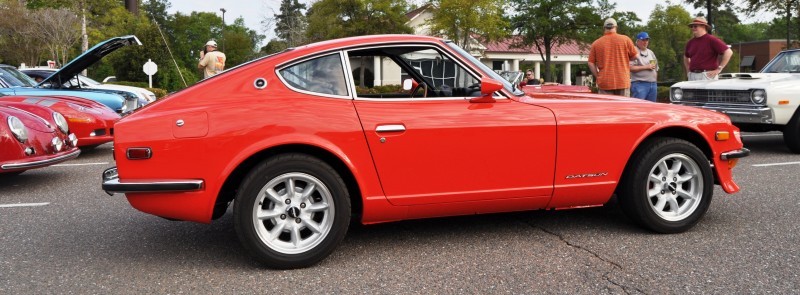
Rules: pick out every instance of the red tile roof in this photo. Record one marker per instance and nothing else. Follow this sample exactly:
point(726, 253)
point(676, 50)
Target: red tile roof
point(509, 46)
point(412, 14)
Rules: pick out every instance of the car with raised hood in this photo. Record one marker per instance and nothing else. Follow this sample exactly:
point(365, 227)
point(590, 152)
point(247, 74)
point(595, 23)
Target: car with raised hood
point(90, 121)
point(85, 82)
point(755, 102)
point(123, 102)
point(33, 136)
point(395, 127)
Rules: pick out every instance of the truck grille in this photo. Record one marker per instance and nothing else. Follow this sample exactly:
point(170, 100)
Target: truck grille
point(717, 96)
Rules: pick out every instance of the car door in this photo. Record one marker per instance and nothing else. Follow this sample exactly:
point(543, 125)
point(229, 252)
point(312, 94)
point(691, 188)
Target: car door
point(438, 147)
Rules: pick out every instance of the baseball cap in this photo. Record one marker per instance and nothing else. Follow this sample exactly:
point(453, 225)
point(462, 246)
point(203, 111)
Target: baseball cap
point(211, 43)
point(642, 36)
point(609, 23)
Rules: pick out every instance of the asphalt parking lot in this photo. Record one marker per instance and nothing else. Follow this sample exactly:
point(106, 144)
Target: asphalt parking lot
point(60, 233)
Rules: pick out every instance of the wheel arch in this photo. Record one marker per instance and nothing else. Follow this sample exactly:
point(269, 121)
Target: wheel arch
point(228, 190)
point(687, 134)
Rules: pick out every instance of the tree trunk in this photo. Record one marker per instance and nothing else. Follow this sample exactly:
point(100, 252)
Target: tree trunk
point(84, 36)
point(708, 15)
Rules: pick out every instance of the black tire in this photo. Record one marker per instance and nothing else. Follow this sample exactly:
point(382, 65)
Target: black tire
point(298, 232)
point(791, 133)
point(650, 201)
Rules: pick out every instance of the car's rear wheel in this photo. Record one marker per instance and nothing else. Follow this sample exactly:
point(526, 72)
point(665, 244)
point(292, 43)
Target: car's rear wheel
point(292, 211)
point(667, 186)
point(791, 133)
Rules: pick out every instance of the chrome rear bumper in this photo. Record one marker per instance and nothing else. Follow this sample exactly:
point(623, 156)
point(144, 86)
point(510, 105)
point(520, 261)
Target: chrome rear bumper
point(112, 184)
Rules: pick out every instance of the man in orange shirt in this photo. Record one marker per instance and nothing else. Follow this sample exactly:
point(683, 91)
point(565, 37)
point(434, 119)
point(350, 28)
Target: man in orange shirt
point(609, 60)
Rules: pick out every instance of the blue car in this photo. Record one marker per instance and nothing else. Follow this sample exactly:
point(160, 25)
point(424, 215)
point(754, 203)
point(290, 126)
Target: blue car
point(13, 82)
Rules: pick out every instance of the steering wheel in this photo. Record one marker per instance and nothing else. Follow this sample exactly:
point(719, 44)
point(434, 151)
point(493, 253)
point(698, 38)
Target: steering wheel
point(473, 89)
point(424, 87)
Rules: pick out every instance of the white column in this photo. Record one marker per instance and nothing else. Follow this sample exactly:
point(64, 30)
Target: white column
point(376, 71)
point(537, 70)
point(568, 73)
point(505, 65)
point(515, 65)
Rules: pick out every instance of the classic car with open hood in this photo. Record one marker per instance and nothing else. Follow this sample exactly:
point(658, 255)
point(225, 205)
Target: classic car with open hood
point(757, 102)
point(121, 101)
point(394, 127)
point(33, 136)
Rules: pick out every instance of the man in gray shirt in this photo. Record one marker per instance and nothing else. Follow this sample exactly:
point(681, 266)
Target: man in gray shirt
point(644, 70)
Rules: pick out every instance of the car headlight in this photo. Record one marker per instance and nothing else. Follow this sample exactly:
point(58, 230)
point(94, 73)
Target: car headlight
point(18, 129)
point(758, 96)
point(61, 122)
point(677, 94)
point(129, 105)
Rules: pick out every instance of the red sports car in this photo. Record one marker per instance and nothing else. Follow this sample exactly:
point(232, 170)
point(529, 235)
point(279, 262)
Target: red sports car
point(31, 137)
point(394, 127)
point(91, 121)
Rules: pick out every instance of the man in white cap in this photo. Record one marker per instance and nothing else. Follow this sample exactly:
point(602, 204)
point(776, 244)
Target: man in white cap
point(212, 62)
point(705, 55)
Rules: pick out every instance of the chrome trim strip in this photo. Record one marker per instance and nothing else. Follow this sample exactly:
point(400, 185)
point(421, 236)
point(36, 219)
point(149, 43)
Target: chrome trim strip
point(735, 154)
point(42, 163)
point(390, 128)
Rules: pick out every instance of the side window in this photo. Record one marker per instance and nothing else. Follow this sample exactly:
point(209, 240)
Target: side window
point(445, 76)
point(380, 73)
point(323, 75)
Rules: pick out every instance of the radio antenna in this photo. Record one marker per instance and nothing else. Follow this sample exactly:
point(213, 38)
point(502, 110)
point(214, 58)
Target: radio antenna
point(170, 52)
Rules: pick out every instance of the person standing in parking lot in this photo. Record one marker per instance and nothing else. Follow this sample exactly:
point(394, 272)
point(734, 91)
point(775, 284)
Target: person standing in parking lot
point(705, 55)
point(644, 70)
point(212, 62)
point(609, 60)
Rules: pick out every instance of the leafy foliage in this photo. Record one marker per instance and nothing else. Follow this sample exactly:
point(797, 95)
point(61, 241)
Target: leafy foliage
point(668, 37)
point(331, 19)
point(290, 24)
point(462, 20)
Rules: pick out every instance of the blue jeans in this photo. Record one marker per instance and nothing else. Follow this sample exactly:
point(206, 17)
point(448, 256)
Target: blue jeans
point(644, 90)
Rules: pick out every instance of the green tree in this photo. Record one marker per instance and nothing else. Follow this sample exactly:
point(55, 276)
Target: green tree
point(331, 19)
point(668, 37)
point(549, 23)
point(462, 20)
point(784, 7)
point(290, 24)
point(711, 6)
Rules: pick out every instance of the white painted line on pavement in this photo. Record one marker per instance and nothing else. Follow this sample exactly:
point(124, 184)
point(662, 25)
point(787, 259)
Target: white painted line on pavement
point(760, 135)
point(79, 164)
point(776, 164)
point(23, 205)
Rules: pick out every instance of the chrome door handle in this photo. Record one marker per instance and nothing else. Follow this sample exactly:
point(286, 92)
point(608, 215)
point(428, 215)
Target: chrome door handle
point(390, 128)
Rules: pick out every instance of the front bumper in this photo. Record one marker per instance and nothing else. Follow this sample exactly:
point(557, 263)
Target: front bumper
point(112, 184)
point(739, 113)
point(40, 163)
point(735, 154)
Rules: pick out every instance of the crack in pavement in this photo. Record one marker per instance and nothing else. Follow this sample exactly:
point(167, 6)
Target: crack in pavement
point(579, 247)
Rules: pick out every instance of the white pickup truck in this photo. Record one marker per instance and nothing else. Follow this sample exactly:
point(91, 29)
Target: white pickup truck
point(756, 102)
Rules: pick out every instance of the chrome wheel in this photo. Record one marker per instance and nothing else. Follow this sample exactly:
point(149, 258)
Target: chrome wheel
point(294, 212)
point(675, 187)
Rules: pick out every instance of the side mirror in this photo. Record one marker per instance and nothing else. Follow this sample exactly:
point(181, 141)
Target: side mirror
point(409, 84)
point(488, 87)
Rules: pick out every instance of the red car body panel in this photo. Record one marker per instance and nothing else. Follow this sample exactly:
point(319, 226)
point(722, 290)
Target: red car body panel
point(41, 131)
point(85, 117)
point(454, 157)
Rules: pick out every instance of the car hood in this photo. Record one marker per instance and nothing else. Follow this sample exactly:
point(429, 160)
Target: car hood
point(113, 101)
point(146, 94)
point(29, 116)
point(88, 58)
point(741, 81)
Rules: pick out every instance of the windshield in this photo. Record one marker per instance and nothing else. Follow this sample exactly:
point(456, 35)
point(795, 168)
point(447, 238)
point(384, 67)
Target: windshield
point(16, 79)
point(785, 62)
point(507, 85)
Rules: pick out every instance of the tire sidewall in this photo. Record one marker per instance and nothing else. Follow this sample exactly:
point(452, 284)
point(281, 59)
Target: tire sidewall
point(264, 173)
point(636, 186)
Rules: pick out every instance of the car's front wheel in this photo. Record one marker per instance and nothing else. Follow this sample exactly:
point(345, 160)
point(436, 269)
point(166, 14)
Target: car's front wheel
point(791, 133)
point(667, 186)
point(292, 211)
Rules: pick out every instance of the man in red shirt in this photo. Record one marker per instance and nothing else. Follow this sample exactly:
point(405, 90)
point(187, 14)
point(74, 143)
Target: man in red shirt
point(705, 55)
point(609, 60)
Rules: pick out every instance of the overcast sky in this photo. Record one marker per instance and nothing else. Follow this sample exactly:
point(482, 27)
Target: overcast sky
point(254, 11)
